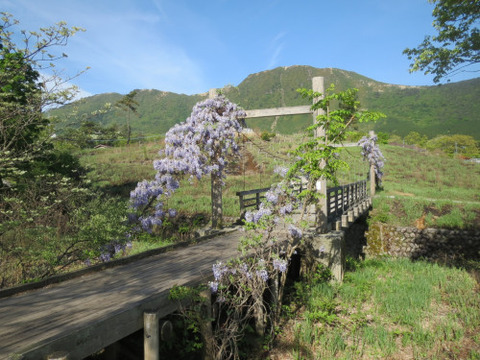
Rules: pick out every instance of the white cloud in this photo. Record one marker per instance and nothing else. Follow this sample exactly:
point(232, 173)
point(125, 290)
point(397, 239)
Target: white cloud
point(125, 44)
point(276, 47)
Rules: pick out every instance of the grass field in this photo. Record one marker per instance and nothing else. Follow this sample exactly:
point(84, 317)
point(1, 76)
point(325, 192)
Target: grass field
point(446, 191)
point(386, 309)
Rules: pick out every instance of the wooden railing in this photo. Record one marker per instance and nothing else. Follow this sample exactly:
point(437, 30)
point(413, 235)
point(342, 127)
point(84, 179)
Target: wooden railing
point(342, 201)
point(344, 198)
point(254, 200)
point(257, 197)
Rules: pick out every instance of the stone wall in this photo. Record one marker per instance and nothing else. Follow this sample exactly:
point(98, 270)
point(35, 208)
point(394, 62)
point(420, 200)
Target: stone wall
point(435, 244)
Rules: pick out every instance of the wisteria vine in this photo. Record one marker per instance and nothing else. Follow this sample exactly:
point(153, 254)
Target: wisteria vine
point(199, 146)
point(372, 153)
point(239, 285)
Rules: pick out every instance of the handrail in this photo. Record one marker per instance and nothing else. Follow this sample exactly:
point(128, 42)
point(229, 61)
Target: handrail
point(246, 202)
point(340, 199)
point(344, 198)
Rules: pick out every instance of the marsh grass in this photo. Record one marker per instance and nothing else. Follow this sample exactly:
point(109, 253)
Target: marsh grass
point(389, 309)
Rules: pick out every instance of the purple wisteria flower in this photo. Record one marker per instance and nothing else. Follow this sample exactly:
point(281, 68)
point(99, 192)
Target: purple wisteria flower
point(197, 147)
point(280, 265)
point(243, 268)
point(295, 232)
point(255, 216)
point(213, 286)
point(286, 209)
point(281, 170)
point(271, 197)
point(373, 154)
point(219, 269)
point(262, 274)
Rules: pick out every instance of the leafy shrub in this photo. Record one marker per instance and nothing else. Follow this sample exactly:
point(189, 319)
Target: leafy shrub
point(455, 144)
point(414, 138)
point(267, 136)
point(383, 137)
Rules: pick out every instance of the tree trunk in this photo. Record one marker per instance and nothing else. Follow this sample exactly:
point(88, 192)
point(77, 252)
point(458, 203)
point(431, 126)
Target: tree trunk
point(129, 129)
point(217, 209)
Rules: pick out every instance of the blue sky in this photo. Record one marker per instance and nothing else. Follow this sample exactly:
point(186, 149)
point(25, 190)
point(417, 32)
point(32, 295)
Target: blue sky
point(190, 46)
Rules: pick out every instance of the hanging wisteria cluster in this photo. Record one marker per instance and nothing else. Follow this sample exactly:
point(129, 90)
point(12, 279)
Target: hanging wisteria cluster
point(240, 284)
point(201, 145)
point(373, 154)
point(265, 257)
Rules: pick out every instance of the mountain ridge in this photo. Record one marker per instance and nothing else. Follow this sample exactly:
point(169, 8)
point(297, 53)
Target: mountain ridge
point(431, 110)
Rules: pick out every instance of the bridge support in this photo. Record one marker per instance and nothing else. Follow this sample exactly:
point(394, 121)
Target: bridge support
point(151, 337)
point(206, 325)
point(154, 330)
point(327, 249)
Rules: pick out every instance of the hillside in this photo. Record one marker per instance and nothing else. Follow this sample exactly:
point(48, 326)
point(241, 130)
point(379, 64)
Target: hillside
point(431, 110)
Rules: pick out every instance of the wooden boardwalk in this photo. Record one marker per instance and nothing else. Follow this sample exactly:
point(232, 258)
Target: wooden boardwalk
point(85, 314)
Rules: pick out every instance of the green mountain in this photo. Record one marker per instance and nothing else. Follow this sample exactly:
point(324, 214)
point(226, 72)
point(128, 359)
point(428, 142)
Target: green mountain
point(431, 110)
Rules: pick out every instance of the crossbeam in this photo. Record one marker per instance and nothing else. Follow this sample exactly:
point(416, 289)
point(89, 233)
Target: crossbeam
point(291, 110)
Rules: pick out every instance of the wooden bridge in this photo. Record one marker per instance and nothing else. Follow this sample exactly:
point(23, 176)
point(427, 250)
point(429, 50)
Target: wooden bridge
point(96, 307)
point(87, 313)
point(77, 315)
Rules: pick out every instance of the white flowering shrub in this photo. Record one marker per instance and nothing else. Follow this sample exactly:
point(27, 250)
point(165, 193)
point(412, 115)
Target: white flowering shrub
point(199, 146)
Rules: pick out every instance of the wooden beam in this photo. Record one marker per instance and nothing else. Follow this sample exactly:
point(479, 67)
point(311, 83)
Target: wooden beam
point(291, 110)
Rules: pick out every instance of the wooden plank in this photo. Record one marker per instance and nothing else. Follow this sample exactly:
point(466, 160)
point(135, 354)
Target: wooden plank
point(250, 192)
point(291, 110)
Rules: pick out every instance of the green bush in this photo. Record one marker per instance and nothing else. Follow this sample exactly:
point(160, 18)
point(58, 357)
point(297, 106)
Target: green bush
point(267, 136)
point(455, 144)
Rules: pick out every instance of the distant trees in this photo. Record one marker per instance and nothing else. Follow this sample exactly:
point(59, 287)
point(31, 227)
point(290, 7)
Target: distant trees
point(457, 43)
point(90, 134)
point(463, 145)
point(129, 105)
point(414, 138)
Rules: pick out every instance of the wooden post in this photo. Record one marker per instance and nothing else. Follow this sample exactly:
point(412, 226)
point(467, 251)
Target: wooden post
point(151, 336)
point(206, 325)
point(321, 185)
point(351, 218)
point(242, 206)
point(259, 315)
point(338, 225)
point(212, 93)
point(373, 184)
